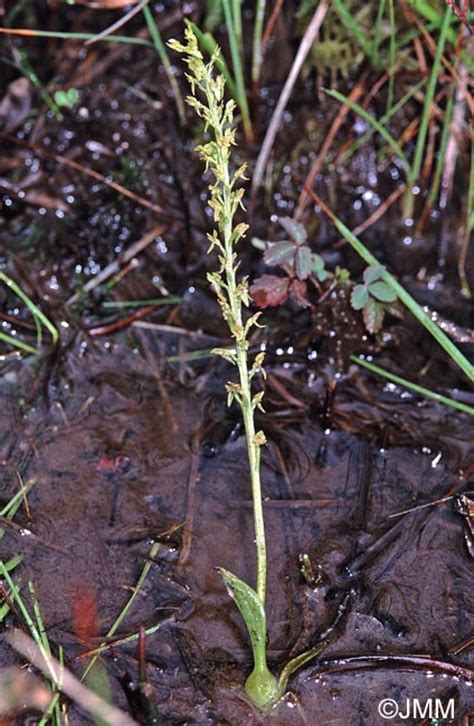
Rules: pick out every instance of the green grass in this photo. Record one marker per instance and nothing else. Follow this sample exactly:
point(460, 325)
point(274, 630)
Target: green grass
point(415, 308)
point(34, 624)
point(40, 320)
point(421, 390)
point(164, 57)
point(124, 612)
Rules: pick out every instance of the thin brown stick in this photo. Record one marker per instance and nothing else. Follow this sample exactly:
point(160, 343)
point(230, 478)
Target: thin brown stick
point(375, 216)
point(271, 24)
point(413, 662)
point(122, 323)
point(118, 23)
point(86, 698)
point(305, 46)
point(115, 266)
point(190, 500)
point(459, 13)
point(86, 170)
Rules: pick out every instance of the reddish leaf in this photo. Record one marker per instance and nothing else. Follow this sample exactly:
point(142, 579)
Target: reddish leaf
point(269, 290)
point(298, 292)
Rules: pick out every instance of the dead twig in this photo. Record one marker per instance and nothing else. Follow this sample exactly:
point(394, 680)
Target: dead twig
point(115, 266)
point(341, 116)
point(88, 171)
point(305, 46)
point(375, 216)
point(68, 683)
point(191, 500)
point(119, 23)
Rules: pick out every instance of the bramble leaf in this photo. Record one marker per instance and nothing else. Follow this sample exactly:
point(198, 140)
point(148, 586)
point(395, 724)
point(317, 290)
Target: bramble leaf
point(382, 292)
point(303, 262)
point(373, 273)
point(318, 267)
point(294, 229)
point(269, 290)
point(373, 313)
point(359, 297)
point(298, 292)
point(279, 253)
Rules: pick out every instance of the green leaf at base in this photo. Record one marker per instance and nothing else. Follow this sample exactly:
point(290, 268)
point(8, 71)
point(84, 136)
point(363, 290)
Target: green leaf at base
point(261, 686)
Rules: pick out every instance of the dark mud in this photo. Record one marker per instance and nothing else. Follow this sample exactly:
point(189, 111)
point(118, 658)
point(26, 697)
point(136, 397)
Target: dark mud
point(127, 440)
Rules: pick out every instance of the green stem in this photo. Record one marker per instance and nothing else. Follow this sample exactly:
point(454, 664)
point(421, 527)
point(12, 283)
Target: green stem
point(257, 41)
point(244, 377)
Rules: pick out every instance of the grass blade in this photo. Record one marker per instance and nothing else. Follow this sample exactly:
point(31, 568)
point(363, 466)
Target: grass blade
point(384, 133)
point(237, 65)
point(353, 27)
point(164, 57)
point(426, 392)
point(429, 96)
point(38, 315)
point(59, 35)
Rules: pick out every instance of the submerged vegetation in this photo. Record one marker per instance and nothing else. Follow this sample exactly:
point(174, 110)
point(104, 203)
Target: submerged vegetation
point(349, 411)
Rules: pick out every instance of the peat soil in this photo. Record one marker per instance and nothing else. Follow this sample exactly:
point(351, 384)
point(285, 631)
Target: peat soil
point(126, 440)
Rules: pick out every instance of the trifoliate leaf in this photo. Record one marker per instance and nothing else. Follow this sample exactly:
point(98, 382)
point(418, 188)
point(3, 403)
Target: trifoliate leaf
point(294, 228)
point(372, 273)
point(359, 297)
point(280, 253)
point(382, 292)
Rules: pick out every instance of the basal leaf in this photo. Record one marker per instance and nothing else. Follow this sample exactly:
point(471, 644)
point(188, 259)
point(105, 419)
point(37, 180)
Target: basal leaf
point(373, 273)
point(382, 292)
point(250, 608)
point(294, 229)
point(280, 253)
point(359, 297)
point(303, 262)
point(261, 685)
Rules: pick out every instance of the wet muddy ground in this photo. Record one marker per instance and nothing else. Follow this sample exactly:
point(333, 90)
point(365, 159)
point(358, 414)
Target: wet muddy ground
point(126, 440)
